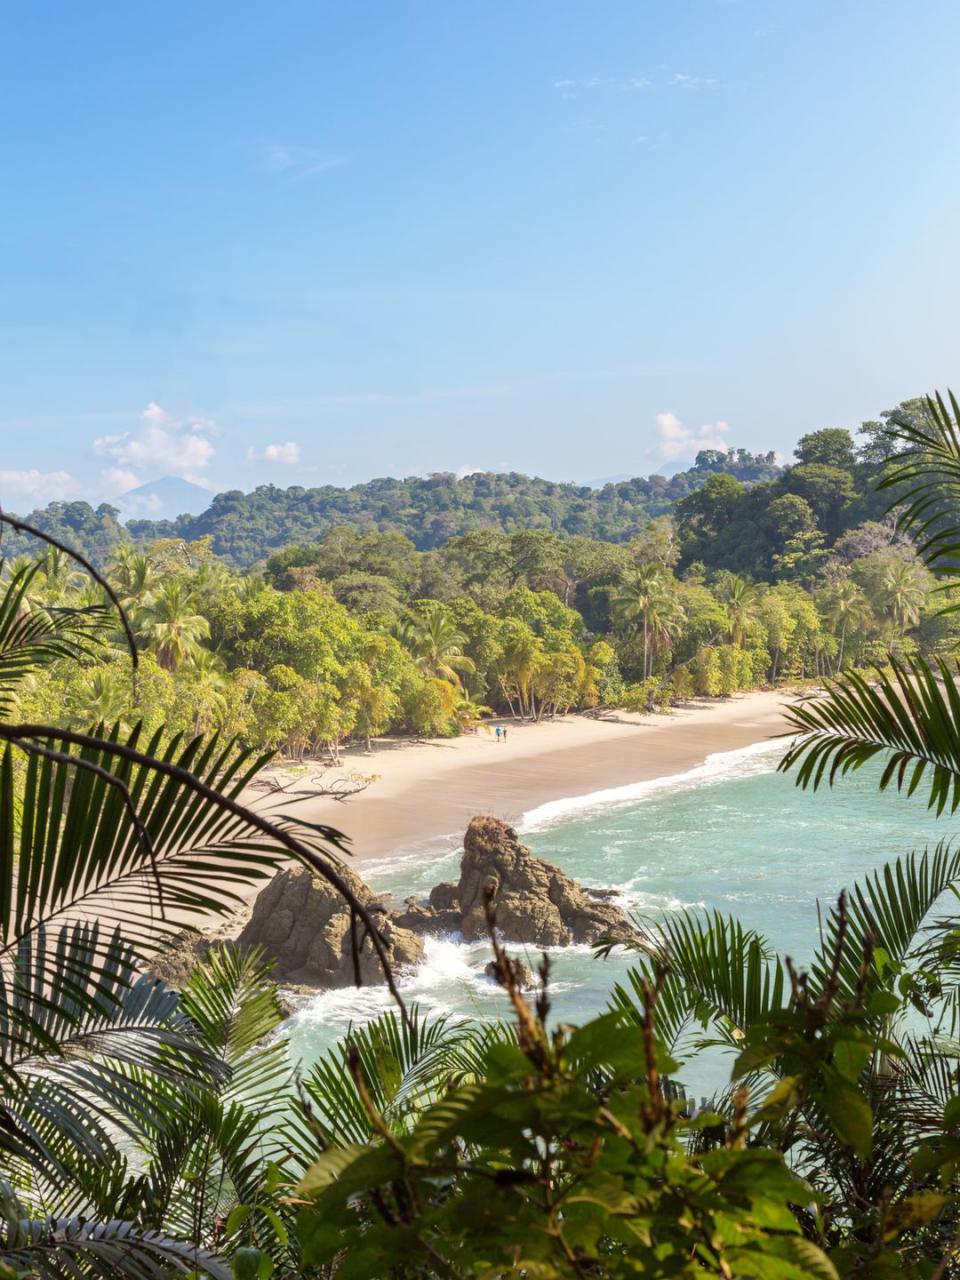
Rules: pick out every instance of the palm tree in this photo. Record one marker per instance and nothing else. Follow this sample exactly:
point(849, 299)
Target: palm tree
point(437, 644)
point(902, 593)
point(468, 714)
point(645, 601)
point(740, 599)
point(133, 575)
point(107, 697)
point(517, 667)
point(845, 605)
point(210, 694)
point(60, 576)
point(169, 624)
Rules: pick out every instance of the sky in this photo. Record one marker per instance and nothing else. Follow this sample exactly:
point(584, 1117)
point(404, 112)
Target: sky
point(314, 243)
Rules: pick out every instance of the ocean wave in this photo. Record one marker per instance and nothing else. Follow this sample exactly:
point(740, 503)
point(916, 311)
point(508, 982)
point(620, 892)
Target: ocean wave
point(746, 762)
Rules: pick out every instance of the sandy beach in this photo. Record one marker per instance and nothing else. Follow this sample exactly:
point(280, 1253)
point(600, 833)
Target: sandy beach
point(426, 792)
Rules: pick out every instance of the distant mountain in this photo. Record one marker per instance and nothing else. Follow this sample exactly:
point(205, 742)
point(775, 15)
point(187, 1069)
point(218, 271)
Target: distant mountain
point(163, 499)
point(598, 484)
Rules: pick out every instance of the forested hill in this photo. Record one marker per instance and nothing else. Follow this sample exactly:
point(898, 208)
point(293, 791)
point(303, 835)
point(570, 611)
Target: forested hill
point(247, 528)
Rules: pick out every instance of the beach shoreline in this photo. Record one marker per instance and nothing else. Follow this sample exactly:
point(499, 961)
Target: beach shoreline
point(426, 791)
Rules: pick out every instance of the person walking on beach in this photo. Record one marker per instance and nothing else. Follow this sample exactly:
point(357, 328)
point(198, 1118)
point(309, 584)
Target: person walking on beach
point(497, 731)
point(504, 733)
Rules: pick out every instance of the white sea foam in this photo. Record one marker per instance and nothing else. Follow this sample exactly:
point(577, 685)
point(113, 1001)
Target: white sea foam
point(759, 757)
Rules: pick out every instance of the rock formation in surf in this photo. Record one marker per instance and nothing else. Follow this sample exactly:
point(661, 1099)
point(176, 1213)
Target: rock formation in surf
point(535, 902)
point(304, 925)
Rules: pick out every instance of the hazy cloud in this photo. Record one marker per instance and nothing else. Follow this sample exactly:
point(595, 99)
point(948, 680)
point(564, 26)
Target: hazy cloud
point(583, 84)
point(37, 487)
point(679, 441)
point(287, 453)
point(301, 162)
point(684, 81)
point(162, 442)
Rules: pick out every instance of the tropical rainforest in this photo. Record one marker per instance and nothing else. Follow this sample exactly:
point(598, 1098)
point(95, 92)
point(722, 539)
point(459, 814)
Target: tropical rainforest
point(359, 632)
point(147, 1132)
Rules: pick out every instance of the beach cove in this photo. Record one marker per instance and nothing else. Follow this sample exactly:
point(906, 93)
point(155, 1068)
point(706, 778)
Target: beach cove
point(426, 791)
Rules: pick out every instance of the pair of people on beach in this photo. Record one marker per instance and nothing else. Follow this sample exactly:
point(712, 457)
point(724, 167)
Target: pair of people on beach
point(501, 732)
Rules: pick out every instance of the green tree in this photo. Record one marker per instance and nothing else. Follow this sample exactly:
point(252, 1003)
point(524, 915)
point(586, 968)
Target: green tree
point(829, 447)
point(437, 644)
point(740, 600)
point(845, 605)
point(169, 624)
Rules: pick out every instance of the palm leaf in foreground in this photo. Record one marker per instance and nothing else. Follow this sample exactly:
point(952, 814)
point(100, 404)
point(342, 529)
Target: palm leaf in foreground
point(406, 1065)
point(925, 478)
point(31, 636)
point(911, 718)
point(719, 976)
point(52, 1248)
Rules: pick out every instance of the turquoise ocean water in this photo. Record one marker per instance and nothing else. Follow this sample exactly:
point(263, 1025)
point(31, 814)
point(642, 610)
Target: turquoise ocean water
point(732, 834)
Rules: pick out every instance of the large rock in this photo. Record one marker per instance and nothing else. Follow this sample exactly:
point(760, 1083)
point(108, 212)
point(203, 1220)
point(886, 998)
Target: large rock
point(304, 924)
point(535, 902)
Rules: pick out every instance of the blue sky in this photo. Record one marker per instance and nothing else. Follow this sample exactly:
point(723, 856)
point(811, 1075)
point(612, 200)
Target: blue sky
point(318, 242)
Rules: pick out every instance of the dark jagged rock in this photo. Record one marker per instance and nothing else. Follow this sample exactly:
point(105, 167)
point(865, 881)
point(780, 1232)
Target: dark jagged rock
point(304, 925)
point(526, 979)
point(535, 902)
point(445, 896)
point(421, 919)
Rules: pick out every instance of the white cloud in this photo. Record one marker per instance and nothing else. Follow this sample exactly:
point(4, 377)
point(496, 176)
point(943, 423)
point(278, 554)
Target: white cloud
point(301, 162)
point(164, 443)
point(463, 472)
point(117, 480)
point(287, 453)
point(38, 487)
point(679, 441)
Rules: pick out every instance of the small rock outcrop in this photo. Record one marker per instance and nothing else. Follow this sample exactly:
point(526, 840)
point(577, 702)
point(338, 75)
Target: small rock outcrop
point(445, 896)
point(535, 902)
point(304, 925)
point(526, 979)
point(422, 919)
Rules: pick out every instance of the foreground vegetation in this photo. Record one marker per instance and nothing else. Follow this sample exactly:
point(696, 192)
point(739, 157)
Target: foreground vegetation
point(360, 634)
point(149, 1133)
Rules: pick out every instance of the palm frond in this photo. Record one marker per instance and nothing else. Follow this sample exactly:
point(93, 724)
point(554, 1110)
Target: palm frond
point(406, 1065)
point(54, 1248)
point(79, 851)
point(166, 829)
point(911, 719)
point(887, 912)
point(925, 478)
point(719, 975)
point(87, 1049)
point(32, 635)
